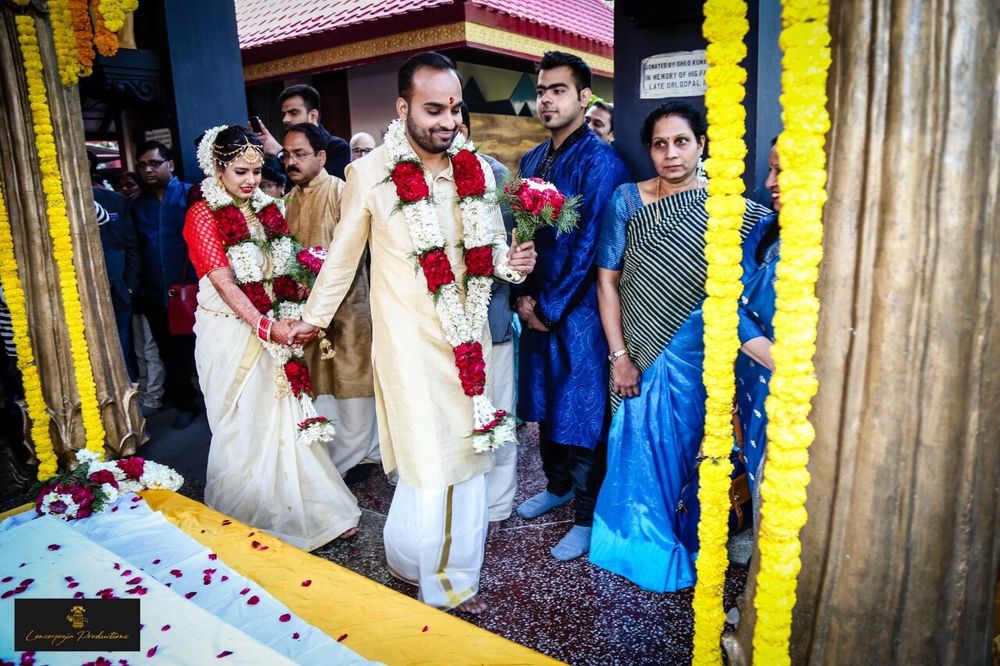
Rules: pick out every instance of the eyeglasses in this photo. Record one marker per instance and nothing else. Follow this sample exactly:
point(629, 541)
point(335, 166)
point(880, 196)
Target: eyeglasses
point(361, 151)
point(297, 154)
point(152, 164)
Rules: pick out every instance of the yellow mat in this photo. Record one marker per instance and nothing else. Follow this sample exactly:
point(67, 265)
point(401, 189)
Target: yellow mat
point(374, 621)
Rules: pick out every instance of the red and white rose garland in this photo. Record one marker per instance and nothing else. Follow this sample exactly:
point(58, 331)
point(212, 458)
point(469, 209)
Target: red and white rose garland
point(462, 323)
point(94, 486)
point(277, 289)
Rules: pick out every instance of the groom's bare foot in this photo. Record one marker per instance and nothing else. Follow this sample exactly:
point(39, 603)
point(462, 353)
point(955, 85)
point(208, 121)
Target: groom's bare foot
point(349, 533)
point(474, 605)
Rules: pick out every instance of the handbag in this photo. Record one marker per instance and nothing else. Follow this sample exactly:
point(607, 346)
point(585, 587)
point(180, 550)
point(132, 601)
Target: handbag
point(688, 510)
point(182, 301)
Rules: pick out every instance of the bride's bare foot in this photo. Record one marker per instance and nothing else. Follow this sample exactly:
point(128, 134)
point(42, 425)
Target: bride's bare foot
point(474, 605)
point(349, 533)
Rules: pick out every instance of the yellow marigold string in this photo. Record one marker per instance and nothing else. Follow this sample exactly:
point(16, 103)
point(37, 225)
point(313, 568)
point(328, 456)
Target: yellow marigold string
point(805, 41)
point(105, 41)
point(724, 29)
point(83, 34)
point(115, 11)
point(59, 230)
point(13, 291)
point(64, 41)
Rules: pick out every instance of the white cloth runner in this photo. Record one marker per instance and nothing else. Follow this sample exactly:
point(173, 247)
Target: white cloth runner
point(219, 616)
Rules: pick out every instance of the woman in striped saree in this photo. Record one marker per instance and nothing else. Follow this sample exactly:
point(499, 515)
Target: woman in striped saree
point(651, 283)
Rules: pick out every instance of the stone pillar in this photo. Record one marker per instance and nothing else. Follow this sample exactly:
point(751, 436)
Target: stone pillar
point(900, 554)
point(33, 249)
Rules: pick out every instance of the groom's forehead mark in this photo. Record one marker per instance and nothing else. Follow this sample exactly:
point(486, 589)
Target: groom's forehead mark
point(451, 100)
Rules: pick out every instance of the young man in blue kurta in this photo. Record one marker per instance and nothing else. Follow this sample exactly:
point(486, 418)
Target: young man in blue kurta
point(563, 382)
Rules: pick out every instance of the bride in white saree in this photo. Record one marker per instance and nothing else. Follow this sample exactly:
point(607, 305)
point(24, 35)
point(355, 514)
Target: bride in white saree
point(266, 466)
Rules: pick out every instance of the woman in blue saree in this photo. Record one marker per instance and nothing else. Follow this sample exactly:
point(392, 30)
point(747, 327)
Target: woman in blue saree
point(651, 283)
point(753, 363)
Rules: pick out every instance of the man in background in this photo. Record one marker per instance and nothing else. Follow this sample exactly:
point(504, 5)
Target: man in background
point(601, 118)
point(362, 143)
point(158, 214)
point(300, 104)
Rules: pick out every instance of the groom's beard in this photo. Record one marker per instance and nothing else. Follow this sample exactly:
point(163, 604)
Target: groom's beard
point(427, 138)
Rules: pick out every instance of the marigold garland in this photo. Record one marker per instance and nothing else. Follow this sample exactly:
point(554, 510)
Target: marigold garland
point(30, 379)
point(115, 11)
point(105, 41)
point(725, 27)
point(83, 34)
point(60, 232)
point(65, 41)
point(805, 40)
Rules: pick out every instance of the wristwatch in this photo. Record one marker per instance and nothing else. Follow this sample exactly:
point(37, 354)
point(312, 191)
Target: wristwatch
point(615, 355)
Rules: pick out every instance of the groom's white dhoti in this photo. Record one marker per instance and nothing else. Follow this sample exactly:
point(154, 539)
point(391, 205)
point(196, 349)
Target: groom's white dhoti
point(435, 531)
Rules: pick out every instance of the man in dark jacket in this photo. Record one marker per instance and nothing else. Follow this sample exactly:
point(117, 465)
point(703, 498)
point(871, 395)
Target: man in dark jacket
point(121, 260)
point(300, 104)
point(158, 214)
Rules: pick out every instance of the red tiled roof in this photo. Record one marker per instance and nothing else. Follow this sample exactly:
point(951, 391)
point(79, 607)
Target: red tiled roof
point(265, 22)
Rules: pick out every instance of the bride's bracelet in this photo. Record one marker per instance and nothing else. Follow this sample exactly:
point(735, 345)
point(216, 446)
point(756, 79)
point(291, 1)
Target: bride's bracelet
point(264, 328)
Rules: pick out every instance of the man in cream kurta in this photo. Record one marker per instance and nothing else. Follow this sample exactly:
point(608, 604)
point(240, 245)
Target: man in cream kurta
point(436, 527)
point(342, 385)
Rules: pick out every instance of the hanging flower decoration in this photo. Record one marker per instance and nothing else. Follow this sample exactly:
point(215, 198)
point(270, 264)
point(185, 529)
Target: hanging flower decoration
point(462, 323)
point(247, 233)
point(725, 27)
point(65, 41)
point(105, 41)
point(83, 35)
point(805, 41)
point(61, 234)
point(30, 379)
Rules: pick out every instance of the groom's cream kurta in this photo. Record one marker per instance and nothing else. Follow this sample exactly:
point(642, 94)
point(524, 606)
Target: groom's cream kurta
point(424, 417)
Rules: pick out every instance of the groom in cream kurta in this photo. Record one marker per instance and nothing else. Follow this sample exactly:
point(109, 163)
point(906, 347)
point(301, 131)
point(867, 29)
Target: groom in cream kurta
point(436, 527)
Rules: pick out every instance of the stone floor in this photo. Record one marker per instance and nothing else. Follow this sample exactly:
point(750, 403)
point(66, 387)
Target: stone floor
point(573, 611)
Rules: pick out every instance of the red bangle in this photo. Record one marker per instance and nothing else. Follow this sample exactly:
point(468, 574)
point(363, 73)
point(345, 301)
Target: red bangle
point(264, 329)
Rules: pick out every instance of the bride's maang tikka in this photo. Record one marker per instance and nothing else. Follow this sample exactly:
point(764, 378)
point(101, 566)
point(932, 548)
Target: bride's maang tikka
point(250, 153)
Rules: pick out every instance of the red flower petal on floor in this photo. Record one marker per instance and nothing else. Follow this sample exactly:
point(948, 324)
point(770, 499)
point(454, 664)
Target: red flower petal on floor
point(135, 498)
point(255, 544)
point(251, 534)
point(224, 653)
point(306, 583)
point(189, 595)
point(253, 601)
point(341, 638)
point(114, 509)
point(78, 595)
point(209, 571)
point(157, 561)
point(73, 584)
point(165, 627)
point(227, 522)
point(206, 580)
point(138, 589)
point(213, 556)
point(68, 578)
point(134, 581)
point(295, 635)
point(52, 546)
point(7, 594)
point(127, 572)
point(167, 584)
point(151, 651)
point(285, 617)
point(225, 578)
point(244, 590)
point(117, 566)
point(176, 573)
point(10, 578)
point(424, 630)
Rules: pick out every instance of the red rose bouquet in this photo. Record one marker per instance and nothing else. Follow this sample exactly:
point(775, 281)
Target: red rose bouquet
point(536, 203)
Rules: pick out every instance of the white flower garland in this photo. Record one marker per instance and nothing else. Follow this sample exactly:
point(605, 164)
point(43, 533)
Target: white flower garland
point(459, 323)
